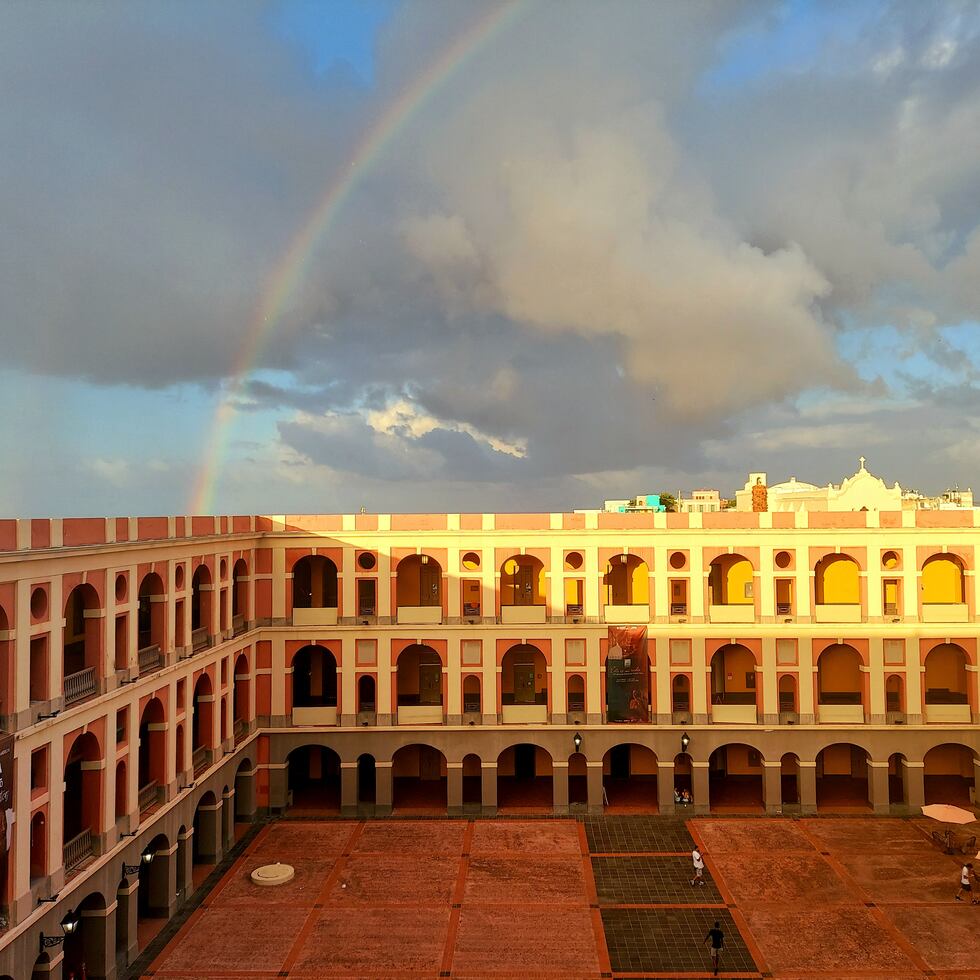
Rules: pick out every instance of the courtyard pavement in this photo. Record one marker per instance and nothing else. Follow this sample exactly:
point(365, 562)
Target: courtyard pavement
point(609, 896)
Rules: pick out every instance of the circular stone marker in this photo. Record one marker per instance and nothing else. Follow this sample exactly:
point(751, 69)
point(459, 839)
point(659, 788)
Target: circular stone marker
point(273, 874)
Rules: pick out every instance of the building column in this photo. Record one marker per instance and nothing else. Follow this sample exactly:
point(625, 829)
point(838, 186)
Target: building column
point(595, 789)
point(976, 779)
point(808, 788)
point(348, 789)
point(228, 822)
point(913, 775)
point(98, 927)
point(278, 785)
point(665, 788)
point(382, 789)
point(454, 788)
point(772, 786)
point(878, 786)
point(488, 774)
point(699, 682)
point(699, 786)
point(209, 833)
point(559, 786)
point(245, 796)
point(127, 921)
point(185, 865)
point(161, 882)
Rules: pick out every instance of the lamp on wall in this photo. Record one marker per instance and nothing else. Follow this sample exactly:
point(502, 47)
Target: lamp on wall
point(145, 858)
point(685, 741)
point(577, 741)
point(69, 924)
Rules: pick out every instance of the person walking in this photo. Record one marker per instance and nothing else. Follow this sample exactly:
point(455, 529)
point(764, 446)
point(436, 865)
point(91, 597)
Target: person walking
point(966, 872)
point(716, 939)
point(698, 862)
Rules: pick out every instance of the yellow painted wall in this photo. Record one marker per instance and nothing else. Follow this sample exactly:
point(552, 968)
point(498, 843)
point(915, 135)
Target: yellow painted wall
point(628, 583)
point(942, 580)
point(838, 581)
point(737, 661)
point(946, 668)
point(515, 572)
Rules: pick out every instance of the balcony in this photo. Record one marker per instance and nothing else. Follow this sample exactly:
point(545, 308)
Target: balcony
point(945, 612)
point(634, 613)
point(840, 708)
point(420, 714)
point(147, 796)
point(79, 686)
point(838, 612)
point(238, 624)
point(315, 715)
point(732, 613)
point(419, 615)
point(240, 731)
point(947, 707)
point(734, 708)
point(78, 850)
point(524, 714)
point(149, 658)
point(529, 615)
point(200, 639)
point(316, 616)
point(200, 759)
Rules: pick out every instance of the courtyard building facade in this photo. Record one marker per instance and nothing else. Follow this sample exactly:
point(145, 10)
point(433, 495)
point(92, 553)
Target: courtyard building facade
point(165, 680)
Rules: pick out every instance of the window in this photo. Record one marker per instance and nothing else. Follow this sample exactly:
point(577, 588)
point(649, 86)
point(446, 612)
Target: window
point(471, 588)
point(39, 769)
point(367, 601)
point(122, 724)
point(575, 653)
point(894, 651)
point(680, 651)
point(785, 651)
point(471, 653)
point(366, 652)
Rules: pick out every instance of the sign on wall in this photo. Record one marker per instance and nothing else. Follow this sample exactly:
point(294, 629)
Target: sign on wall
point(6, 790)
point(627, 675)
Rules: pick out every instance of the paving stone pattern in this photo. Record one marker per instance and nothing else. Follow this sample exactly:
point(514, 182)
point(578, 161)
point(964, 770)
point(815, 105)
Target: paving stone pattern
point(561, 899)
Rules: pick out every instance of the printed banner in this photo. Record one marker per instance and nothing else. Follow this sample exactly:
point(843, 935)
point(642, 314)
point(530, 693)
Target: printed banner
point(627, 675)
point(6, 790)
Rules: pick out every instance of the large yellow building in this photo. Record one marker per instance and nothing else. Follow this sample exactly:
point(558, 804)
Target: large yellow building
point(164, 679)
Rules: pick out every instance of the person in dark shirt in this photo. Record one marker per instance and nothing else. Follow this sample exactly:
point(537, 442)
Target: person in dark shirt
point(717, 940)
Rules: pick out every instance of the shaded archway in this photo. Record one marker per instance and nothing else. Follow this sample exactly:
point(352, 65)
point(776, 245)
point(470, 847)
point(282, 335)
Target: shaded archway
point(39, 846)
point(419, 685)
point(314, 678)
point(154, 902)
point(239, 597)
point(205, 837)
point(840, 687)
point(683, 777)
point(788, 704)
point(524, 685)
point(418, 582)
point(897, 783)
point(366, 693)
point(82, 644)
point(472, 780)
point(629, 777)
point(87, 945)
point(314, 583)
point(789, 778)
point(152, 774)
point(313, 774)
point(942, 581)
point(578, 780)
point(241, 710)
point(733, 685)
point(680, 698)
point(730, 581)
point(735, 779)
point(472, 703)
point(522, 581)
point(82, 809)
point(627, 581)
point(576, 694)
point(525, 779)
point(895, 697)
point(366, 780)
point(837, 581)
point(945, 685)
point(842, 778)
point(419, 779)
point(202, 625)
point(151, 620)
point(948, 775)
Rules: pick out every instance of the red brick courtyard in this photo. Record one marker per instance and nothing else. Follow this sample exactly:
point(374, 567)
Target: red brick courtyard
point(608, 897)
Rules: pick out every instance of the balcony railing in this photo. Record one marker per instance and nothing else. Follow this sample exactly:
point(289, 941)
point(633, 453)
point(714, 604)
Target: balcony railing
point(200, 639)
point(199, 759)
point(78, 850)
point(784, 608)
point(240, 730)
point(147, 795)
point(149, 658)
point(839, 697)
point(238, 624)
point(942, 695)
point(80, 686)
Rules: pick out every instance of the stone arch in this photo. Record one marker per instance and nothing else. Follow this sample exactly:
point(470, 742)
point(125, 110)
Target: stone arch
point(949, 773)
point(89, 943)
point(314, 583)
point(525, 776)
point(946, 685)
point(837, 581)
point(840, 684)
point(736, 778)
point(733, 683)
point(524, 683)
point(472, 694)
point(842, 777)
point(578, 779)
point(522, 581)
point(151, 613)
point(627, 581)
point(789, 778)
point(201, 612)
point(241, 684)
point(472, 780)
point(314, 677)
point(313, 778)
point(239, 595)
point(202, 715)
point(942, 580)
point(629, 777)
point(418, 581)
point(419, 774)
point(730, 581)
point(82, 644)
point(419, 677)
point(82, 809)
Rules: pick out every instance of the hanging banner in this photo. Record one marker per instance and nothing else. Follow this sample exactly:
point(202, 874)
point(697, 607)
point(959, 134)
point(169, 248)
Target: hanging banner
point(6, 790)
point(627, 675)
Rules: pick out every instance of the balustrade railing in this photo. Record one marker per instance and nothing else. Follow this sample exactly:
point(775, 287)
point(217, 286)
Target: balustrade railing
point(240, 729)
point(200, 639)
point(199, 759)
point(80, 685)
point(149, 658)
point(147, 795)
point(238, 624)
point(78, 849)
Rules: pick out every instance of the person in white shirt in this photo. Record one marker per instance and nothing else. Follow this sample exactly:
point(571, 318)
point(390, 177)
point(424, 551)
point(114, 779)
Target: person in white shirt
point(966, 873)
point(698, 861)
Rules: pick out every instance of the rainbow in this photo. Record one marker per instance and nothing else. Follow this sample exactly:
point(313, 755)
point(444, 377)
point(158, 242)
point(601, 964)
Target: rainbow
point(291, 269)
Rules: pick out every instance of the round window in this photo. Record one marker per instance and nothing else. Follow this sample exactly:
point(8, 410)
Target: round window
point(39, 603)
point(573, 560)
point(678, 560)
point(471, 561)
point(783, 559)
point(366, 561)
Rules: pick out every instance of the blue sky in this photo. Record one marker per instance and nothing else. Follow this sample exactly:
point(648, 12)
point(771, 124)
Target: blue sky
point(614, 248)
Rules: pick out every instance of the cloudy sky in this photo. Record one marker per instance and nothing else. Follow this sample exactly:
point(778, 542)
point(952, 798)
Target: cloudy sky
point(460, 255)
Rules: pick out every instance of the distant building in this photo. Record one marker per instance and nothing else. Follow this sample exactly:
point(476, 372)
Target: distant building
point(952, 499)
point(648, 503)
point(700, 502)
point(861, 491)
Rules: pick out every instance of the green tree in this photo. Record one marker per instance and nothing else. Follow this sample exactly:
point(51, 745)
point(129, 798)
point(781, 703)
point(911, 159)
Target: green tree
point(669, 501)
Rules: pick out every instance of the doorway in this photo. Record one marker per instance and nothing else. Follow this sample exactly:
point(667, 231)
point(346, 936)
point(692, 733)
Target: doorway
point(523, 683)
point(524, 767)
point(619, 762)
point(430, 684)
